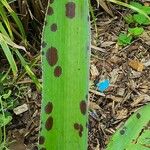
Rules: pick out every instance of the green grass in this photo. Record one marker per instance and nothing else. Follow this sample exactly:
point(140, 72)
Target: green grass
point(14, 48)
point(8, 45)
point(5, 119)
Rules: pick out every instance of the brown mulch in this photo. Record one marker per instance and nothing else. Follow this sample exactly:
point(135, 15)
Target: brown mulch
point(129, 89)
point(129, 86)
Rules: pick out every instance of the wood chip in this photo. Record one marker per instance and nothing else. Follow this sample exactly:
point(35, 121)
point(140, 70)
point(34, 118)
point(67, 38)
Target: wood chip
point(139, 99)
point(20, 109)
point(107, 44)
point(135, 74)
point(114, 98)
point(94, 71)
point(147, 64)
point(97, 93)
point(93, 105)
point(103, 4)
point(146, 37)
point(98, 48)
point(17, 145)
point(115, 59)
point(136, 64)
point(121, 91)
point(114, 76)
point(121, 114)
point(97, 147)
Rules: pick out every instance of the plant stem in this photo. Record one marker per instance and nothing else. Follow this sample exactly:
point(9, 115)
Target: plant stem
point(4, 128)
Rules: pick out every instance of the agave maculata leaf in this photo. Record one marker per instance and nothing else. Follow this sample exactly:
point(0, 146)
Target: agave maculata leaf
point(65, 63)
point(135, 133)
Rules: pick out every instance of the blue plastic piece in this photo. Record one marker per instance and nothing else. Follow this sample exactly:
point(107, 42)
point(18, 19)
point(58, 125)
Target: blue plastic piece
point(103, 85)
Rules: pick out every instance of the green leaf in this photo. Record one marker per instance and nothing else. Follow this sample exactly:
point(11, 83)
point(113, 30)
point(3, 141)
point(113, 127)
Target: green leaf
point(4, 120)
point(65, 70)
point(141, 19)
point(137, 31)
point(146, 9)
point(129, 19)
point(0, 135)
point(5, 20)
point(124, 39)
point(7, 95)
point(9, 55)
point(136, 4)
point(134, 134)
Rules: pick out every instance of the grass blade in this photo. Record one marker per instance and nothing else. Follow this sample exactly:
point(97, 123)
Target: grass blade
point(9, 55)
point(15, 17)
point(11, 43)
point(28, 70)
point(5, 20)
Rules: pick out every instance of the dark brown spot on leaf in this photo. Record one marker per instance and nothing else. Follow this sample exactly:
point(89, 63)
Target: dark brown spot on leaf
point(138, 116)
point(49, 108)
point(133, 141)
point(80, 133)
point(122, 132)
point(83, 107)
point(81, 127)
point(148, 124)
point(70, 9)
point(76, 126)
point(58, 71)
point(44, 44)
point(49, 123)
point(54, 27)
point(52, 56)
point(50, 11)
point(41, 140)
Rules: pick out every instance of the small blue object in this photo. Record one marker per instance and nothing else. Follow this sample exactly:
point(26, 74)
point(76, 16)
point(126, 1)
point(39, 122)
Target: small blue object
point(103, 85)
